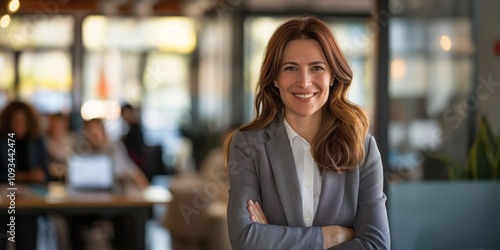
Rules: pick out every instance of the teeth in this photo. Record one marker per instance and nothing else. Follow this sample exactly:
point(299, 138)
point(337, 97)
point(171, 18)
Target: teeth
point(304, 96)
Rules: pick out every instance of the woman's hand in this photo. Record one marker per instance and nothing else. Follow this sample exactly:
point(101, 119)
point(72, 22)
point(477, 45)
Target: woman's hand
point(35, 175)
point(335, 235)
point(256, 213)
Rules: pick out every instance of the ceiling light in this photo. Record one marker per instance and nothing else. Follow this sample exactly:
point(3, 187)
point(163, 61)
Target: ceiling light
point(14, 5)
point(445, 43)
point(5, 21)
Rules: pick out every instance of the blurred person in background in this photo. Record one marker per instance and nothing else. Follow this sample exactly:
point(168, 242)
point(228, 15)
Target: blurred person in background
point(60, 144)
point(133, 138)
point(116, 228)
point(126, 170)
point(30, 154)
point(20, 123)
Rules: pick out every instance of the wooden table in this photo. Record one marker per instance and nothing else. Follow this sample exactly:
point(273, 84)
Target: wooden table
point(56, 200)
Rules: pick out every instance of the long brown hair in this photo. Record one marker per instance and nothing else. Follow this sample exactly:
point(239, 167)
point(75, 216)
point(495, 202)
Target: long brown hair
point(32, 119)
point(339, 143)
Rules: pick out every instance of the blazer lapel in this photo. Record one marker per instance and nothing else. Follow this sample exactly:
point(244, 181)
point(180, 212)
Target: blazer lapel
point(331, 198)
point(282, 163)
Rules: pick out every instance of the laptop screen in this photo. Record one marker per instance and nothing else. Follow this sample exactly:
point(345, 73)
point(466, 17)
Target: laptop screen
point(90, 172)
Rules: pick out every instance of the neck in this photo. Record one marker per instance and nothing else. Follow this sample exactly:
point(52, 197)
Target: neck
point(306, 127)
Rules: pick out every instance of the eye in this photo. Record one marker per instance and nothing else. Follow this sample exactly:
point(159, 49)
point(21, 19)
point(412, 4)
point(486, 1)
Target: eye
point(290, 68)
point(317, 68)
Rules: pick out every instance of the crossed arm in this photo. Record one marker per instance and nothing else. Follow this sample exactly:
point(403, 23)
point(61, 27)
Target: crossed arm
point(332, 235)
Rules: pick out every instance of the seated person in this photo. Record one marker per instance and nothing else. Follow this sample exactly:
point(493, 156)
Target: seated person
point(26, 151)
point(133, 139)
point(20, 123)
point(95, 141)
point(59, 145)
point(126, 170)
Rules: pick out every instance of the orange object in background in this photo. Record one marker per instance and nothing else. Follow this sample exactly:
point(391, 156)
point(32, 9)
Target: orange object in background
point(102, 86)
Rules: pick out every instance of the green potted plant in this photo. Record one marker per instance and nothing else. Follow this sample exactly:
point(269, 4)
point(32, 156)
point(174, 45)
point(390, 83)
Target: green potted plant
point(483, 159)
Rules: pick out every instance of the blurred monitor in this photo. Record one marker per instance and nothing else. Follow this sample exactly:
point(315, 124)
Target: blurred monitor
point(90, 172)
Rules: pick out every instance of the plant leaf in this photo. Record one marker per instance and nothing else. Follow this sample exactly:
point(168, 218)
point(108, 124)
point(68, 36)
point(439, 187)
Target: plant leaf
point(454, 170)
point(496, 160)
point(473, 157)
point(488, 142)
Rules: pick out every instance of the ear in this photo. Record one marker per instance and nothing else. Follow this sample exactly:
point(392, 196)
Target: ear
point(276, 83)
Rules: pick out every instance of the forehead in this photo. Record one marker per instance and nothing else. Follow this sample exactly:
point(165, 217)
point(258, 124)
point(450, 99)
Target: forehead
point(303, 50)
point(18, 114)
point(93, 125)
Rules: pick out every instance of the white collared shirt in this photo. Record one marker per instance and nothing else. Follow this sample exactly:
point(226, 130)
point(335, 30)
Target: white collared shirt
point(307, 173)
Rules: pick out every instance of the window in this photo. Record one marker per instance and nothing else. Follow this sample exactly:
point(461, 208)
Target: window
point(44, 65)
point(138, 61)
point(431, 70)
point(45, 80)
point(7, 79)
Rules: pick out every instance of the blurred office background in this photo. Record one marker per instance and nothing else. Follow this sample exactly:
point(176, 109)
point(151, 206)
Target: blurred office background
point(426, 71)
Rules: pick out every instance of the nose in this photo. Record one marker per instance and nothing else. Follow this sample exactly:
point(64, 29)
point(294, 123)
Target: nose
point(304, 79)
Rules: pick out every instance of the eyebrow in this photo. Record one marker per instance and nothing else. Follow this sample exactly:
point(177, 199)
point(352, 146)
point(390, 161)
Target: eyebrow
point(312, 63)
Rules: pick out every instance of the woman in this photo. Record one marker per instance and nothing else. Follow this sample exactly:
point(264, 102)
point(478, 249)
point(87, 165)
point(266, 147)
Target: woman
point(19, 122)
point(304, 174)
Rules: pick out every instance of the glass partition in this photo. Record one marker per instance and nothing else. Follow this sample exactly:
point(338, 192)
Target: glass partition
point(431, 70)
point(142, 61)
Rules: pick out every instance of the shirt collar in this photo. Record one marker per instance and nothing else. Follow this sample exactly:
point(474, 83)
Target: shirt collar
point(290, 132)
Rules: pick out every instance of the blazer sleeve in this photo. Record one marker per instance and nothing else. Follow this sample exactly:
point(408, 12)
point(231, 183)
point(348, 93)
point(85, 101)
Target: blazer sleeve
point(244, 185)
point(371, 227)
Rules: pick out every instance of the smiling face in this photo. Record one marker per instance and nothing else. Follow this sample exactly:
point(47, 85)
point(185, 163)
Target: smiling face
point(95, 133)
point(304, 79)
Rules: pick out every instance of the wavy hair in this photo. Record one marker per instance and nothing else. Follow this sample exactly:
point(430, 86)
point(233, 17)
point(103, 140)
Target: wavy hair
point(339, 143)
point(32, 119)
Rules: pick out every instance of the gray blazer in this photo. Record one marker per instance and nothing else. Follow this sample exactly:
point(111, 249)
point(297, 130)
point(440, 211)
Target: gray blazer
point(262, 168)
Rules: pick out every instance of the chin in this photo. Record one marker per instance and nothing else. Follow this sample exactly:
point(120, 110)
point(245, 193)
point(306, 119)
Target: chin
point(306, 113)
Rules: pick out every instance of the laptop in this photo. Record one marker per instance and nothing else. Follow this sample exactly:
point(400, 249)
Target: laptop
point(93, 172)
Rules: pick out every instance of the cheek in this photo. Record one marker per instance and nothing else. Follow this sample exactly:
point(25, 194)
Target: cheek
point(283, 95)
point(325, 94)
point(324, 80)
point(285, 81)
